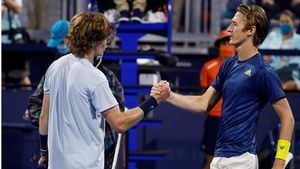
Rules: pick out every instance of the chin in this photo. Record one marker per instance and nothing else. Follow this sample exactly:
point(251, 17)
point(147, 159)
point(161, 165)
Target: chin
point(235, 44)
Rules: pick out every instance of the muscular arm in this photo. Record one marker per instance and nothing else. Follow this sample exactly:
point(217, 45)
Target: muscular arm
point(43, 129)
point(197, 104)
point(284, 112)
point(121, 122)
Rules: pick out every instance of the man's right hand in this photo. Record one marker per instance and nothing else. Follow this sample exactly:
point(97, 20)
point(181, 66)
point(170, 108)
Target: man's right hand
point(161, 91)
point(43, 163)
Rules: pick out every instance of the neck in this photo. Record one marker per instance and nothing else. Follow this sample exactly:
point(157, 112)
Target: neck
point(90, 56)
point(246, 50)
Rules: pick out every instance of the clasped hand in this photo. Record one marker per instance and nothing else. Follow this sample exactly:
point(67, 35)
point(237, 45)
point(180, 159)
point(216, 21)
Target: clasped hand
point(161, 91)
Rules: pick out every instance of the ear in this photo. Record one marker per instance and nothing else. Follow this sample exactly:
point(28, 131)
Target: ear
point(251, 31)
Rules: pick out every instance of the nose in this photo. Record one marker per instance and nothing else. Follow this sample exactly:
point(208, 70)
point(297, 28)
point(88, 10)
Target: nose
point(229, 28)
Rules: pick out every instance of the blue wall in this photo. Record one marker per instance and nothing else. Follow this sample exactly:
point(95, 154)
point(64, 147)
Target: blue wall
point(180, 133)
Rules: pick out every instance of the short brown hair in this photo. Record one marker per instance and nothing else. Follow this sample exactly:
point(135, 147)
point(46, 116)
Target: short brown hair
point(86, 30)
point(255, 16)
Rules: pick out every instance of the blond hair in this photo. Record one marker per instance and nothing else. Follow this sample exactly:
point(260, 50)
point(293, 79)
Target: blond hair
point(255, 16)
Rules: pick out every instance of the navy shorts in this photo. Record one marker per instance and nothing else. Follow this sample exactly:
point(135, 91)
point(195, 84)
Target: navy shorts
point(210, 134)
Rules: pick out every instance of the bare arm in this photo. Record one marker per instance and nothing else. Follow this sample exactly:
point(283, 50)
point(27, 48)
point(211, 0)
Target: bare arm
point(121, 122)
point(13, 5)
point(43, 126)
point(284, 112)
point(43, 130)
point(197, 104)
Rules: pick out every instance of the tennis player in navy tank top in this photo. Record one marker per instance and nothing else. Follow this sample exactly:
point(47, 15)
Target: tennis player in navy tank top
point(246, 83)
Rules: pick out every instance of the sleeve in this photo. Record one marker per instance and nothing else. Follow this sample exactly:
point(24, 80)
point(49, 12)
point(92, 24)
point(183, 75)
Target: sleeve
point(46, 87)
point(102, 97)
point(204, 81)
point(219, 80)
point(48, 79)
point(271, 87)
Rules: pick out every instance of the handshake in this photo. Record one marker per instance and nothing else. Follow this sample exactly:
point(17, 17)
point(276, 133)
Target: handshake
point(161, 91)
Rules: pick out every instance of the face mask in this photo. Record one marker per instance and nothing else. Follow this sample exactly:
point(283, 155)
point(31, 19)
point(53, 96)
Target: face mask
point(226, 51)
point(285, 29)
point(62, 49)
point(97, 60)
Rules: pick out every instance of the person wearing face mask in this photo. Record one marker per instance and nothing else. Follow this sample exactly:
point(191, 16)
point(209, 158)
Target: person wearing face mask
point(58, 37)
point(207, 75)
point(60, 41)
point(285, 38)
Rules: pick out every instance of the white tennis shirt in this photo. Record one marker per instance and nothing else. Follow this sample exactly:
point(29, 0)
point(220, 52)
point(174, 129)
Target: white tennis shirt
point(79, 93)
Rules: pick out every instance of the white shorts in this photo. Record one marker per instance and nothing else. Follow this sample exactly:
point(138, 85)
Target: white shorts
point(244, 161)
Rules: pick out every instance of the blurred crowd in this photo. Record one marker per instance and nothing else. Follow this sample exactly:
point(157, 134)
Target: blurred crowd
point(283, 15)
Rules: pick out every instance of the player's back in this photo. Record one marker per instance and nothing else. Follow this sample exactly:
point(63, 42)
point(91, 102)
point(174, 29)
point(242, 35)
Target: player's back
point(76, 129)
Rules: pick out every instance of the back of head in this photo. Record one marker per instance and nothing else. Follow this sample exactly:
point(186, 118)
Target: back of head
point(255, 16)
point(87, 29)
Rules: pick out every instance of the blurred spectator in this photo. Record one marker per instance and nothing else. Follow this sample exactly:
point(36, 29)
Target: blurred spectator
point(10, 20)
point(58, 37)
point(274, 7)
point(271, 7)
point(138, 9)
point(207, 76)
point(296, 7)
point(135, 11)
point(177, 12)
point(230, 11)
point(233, 4)
point(287, 67)
point(14, 71)
point(38, 14)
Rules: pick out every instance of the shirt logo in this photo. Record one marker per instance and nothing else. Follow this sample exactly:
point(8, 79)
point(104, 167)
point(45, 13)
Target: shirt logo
point(248, 72)
point(151, 107)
